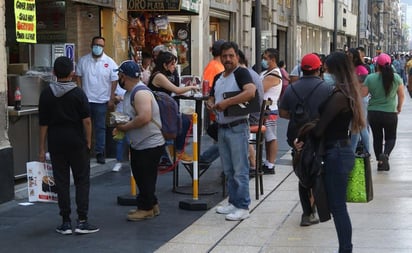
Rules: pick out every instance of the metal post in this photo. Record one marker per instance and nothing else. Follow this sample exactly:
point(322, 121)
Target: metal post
point(358, 25)
point(335, 26)
point(258, 51)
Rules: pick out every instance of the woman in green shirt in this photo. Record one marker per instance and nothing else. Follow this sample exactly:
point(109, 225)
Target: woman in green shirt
point(387, 95)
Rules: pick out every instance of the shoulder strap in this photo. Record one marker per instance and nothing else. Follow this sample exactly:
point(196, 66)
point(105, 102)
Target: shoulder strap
point(273, 74)
point(305, 99)
point(237, 77)
point(133, 93)
point(152, 77)
point(136, 89)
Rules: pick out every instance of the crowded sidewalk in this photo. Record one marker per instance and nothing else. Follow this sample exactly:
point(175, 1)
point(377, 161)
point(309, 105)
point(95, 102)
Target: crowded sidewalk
point(382, 225)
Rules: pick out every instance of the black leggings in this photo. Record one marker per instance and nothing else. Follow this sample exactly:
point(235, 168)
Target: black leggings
point(383, 124)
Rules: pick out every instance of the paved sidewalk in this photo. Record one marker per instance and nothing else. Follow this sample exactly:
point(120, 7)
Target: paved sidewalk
point(381, 226)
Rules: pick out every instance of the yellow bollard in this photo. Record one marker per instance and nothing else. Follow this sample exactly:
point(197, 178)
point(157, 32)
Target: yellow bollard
point(195, 160)
point(133, 190)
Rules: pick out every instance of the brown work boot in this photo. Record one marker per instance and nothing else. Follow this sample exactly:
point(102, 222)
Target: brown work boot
point(156, 210)
point(184, 157)
point(140, 215)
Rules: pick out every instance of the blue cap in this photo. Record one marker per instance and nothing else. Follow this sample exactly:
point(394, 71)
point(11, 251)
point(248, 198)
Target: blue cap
point(129, 68)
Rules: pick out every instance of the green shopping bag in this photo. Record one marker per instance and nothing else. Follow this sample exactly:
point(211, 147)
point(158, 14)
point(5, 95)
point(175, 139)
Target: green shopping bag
point(360, 188)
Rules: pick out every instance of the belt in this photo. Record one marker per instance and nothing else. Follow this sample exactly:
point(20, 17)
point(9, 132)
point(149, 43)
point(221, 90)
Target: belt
point(233, 124)
point(337, 143)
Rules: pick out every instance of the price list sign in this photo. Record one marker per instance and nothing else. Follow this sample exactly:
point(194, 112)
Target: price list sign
point(25, 13)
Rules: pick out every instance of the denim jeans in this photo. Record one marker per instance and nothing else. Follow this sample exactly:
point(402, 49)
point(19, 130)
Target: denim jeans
point(233, 149)
point(181, 137)
point(339, 161)
point(364, 137)
point(120, 148)
point(210, 154)
point(98, 116)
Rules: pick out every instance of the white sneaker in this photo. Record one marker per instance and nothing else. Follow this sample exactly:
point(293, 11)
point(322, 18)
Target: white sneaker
point(238, 214)
point(226, 209)
point(117, 167)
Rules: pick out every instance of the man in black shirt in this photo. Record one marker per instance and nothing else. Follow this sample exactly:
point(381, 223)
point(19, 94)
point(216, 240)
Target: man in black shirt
point(64, 118)
point(309, 83)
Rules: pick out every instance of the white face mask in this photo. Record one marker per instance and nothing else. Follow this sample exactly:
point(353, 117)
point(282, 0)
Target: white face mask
point(97, 50)
point(329, 79)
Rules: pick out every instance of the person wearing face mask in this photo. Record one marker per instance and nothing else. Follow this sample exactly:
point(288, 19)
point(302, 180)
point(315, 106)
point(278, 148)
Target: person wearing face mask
point(316, 91)
point(272, 87)
point(95, 76)
point(146, 140)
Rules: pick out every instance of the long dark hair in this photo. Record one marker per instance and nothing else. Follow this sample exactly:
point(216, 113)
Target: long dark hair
point(342, 68)
point(163, 58)
point(356, 58)
point(387, 77)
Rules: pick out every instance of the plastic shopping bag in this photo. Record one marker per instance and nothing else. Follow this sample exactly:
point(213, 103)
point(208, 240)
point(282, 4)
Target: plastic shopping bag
point(40, 182)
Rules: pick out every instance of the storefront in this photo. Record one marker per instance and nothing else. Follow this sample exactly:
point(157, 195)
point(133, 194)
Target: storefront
point(43, 31)
point(168, 23)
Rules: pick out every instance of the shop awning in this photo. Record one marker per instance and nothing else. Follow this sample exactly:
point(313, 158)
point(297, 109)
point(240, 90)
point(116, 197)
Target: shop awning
point(172, 7)
point(103, 3)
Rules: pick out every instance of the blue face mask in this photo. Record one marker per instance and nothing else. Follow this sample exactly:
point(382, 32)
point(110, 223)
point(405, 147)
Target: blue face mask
point(329, 79)
point(265, 63)
point(97, 50)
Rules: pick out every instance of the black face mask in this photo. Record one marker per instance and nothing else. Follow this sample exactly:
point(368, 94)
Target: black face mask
point(121, 83)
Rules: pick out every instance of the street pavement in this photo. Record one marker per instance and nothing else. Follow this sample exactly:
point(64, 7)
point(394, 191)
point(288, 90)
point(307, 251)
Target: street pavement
point(382, 225)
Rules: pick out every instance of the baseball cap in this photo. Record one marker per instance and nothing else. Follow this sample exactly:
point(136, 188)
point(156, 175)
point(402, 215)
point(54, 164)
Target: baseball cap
point(383, 59)
point(216, 47)
point(129, 68)
point(310, 62)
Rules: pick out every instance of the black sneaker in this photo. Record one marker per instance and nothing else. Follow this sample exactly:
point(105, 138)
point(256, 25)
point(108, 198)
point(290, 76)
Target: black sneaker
point(83, 227)
point(65, 228)
point(100, 158)
point(268, 171)
point(308, 220)
point(383, 163)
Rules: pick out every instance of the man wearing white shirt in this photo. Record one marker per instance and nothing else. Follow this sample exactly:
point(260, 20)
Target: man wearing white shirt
point(96, 77)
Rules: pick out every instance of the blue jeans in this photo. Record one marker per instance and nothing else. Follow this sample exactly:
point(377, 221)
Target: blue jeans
point(339, 161)
point(233, 149)
point(120, 149)
point(181, 137)
point(364, 137)
point(210, 154)
point(98, 116)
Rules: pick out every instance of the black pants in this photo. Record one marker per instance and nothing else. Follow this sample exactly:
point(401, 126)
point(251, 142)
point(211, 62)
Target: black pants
point(144, 167)
point(79, 162)
point(383, 126)
point(304, 196)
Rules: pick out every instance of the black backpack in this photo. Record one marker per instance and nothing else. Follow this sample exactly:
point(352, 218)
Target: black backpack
point(308, 162)
point(300, 116)
point(168, 109)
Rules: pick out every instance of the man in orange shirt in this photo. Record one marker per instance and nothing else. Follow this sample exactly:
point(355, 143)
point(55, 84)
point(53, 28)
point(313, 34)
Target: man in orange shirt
point(215, 66)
